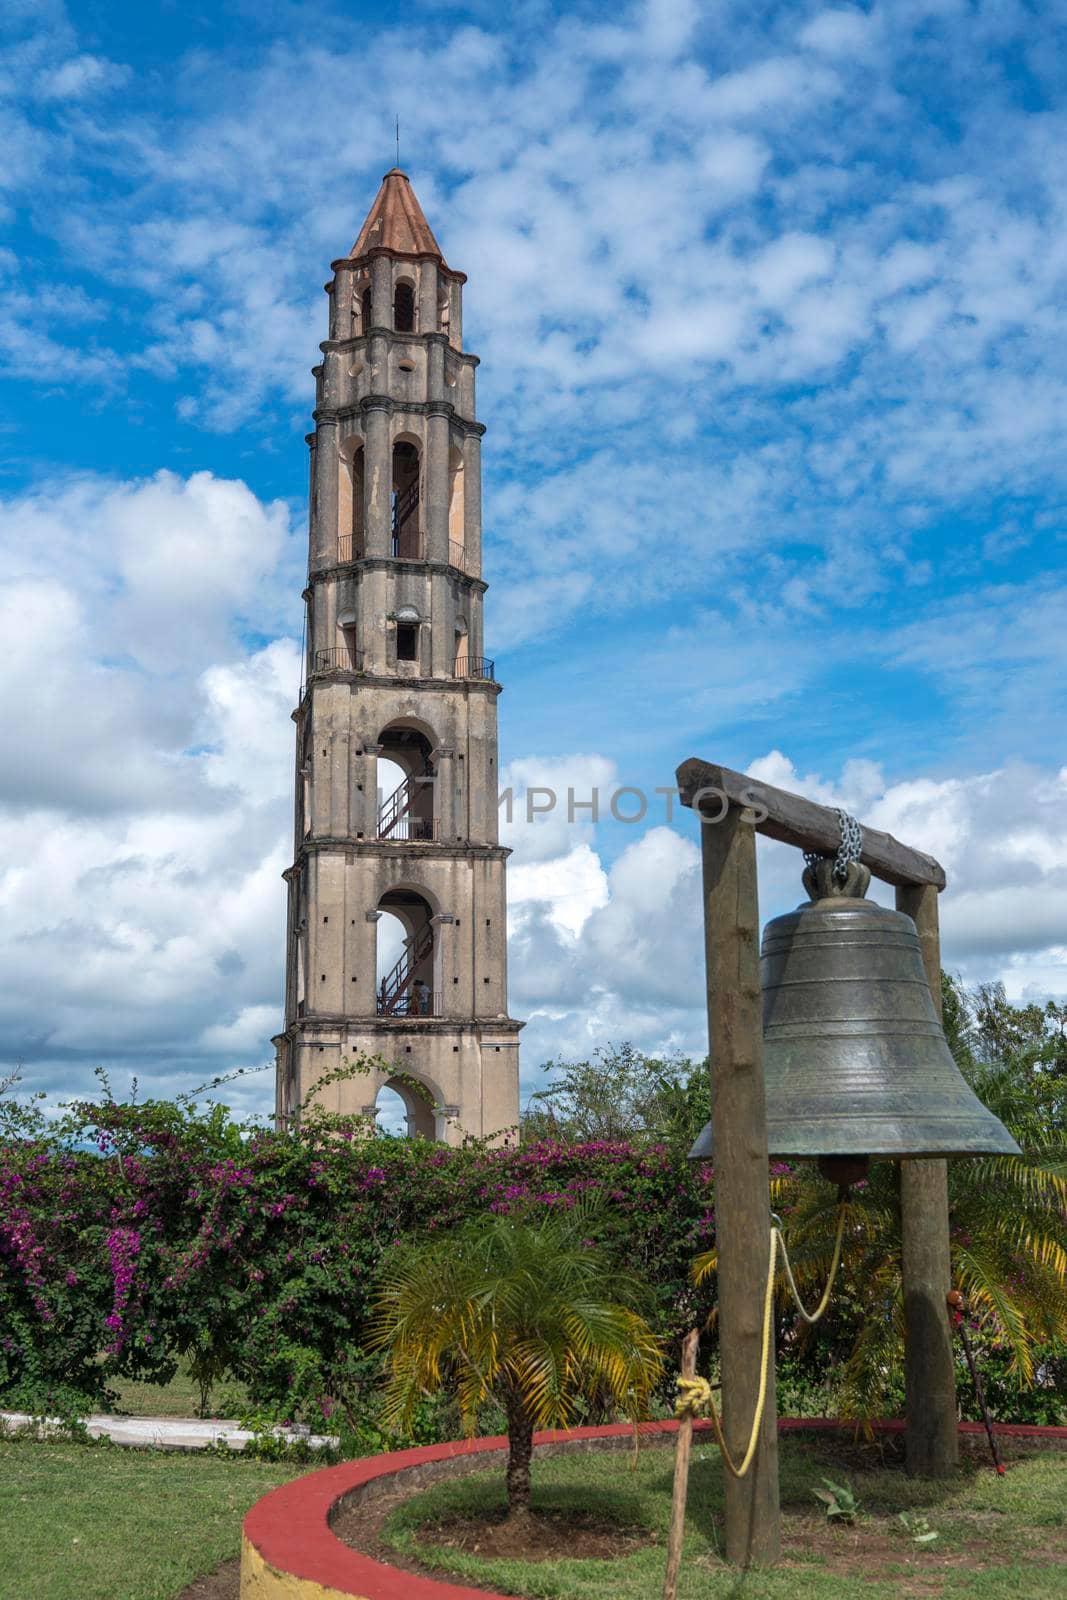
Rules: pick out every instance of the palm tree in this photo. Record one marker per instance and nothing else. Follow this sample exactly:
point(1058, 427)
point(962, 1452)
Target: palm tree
point(528, 1313)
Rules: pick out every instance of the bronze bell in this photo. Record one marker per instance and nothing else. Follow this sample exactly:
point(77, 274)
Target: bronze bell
point(855, 1060)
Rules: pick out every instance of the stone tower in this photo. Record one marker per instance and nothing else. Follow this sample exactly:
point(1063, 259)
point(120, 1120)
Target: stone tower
point(397, 680)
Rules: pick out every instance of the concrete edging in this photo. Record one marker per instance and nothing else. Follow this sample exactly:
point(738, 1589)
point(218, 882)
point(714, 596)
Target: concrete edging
point(289, 1551)
point(165, 1433)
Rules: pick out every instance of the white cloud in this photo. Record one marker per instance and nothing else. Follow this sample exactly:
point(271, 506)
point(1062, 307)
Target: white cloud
point(555, 803)
point(842, 31)
point(147, 806)
point(247, 1037)
point(792, 261)
point(774, 85)
point(635, 969)
point(573, 886)
point(675, 214)
point(79, 76)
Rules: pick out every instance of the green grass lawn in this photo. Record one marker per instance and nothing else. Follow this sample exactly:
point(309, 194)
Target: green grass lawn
point(997, 1537)
point(112, 1524)
point(179, 1398)
point(78, 1523)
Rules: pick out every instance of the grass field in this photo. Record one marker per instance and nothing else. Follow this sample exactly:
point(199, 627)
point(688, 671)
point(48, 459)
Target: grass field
point(179, 1398)
point(78, 1523)
point(112, 1524)
point(997, 1538)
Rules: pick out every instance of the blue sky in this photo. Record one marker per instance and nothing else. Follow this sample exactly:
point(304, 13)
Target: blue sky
point(770, 304)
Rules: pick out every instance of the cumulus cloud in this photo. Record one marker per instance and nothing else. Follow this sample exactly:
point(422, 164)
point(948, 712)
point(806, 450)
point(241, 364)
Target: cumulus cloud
point(673, 215)
point(773, 366)
point(80, 76)
point(844, 31)
point(634, 968)
point(114, 596)
point(147, 801)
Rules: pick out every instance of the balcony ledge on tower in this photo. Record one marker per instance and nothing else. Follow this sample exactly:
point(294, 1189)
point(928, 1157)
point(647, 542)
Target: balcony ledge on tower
point(479, 673)
point(325, 844)
point(346, 562)
point(391, 403)
point(326, 1025)
point(356, 341)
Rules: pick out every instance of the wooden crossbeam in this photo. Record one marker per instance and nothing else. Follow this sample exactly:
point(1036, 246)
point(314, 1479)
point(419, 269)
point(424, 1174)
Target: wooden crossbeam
point(800, 822)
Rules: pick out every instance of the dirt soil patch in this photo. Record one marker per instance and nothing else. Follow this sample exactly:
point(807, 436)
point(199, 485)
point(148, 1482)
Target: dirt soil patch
point(222, 1584)
point(536, 1536)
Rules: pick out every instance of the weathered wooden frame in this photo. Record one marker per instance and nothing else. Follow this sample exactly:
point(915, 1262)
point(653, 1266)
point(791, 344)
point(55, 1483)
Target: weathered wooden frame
point(734, 808)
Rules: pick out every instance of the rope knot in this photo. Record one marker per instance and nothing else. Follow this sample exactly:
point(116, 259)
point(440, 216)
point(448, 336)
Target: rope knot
point(694, 1396)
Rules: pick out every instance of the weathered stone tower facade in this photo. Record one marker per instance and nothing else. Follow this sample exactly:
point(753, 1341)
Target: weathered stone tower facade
point(396, 672)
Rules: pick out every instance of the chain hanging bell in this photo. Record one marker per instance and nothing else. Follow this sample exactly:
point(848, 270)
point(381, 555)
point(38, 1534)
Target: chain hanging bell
point(856, 1064)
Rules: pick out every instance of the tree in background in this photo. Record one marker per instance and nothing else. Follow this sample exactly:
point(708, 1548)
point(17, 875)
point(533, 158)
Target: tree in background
point(528, 1313)
point(620, 1094)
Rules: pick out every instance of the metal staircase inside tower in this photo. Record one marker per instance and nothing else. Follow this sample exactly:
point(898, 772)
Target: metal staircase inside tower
point(395, 996)
point(405, 505)
point(394, 815)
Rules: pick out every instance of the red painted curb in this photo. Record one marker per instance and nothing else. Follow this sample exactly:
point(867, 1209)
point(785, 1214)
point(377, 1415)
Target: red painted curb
point(289, 1527)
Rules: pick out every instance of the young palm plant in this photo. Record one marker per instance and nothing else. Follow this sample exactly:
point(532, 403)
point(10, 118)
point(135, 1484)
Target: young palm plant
point(525, 1312)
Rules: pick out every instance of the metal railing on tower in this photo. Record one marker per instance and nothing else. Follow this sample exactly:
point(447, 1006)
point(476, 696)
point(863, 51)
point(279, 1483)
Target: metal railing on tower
point(476, 667)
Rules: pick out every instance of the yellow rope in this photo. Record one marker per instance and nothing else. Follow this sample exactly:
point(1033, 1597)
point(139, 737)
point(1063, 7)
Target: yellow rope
point(761, 1398)
point(694, 1394)
point(812, 1317)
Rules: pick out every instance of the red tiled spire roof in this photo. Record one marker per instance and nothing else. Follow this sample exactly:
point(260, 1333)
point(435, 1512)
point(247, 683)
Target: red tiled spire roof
point(396, 222)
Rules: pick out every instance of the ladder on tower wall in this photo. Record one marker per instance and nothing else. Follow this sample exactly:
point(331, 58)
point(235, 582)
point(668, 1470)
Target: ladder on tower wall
point(395, 998)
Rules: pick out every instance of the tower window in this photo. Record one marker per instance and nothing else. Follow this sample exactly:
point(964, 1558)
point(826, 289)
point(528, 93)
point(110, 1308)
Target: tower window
point(364, 306)
point(404, 308)
point(407, 641)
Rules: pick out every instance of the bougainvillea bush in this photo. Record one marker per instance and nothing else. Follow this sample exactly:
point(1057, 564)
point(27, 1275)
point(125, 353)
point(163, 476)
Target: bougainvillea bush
point(135, 1234)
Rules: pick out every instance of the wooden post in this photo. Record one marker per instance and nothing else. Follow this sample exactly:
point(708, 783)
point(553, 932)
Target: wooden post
point(931, 1435)
point(682, 1449)
point(742, 1196)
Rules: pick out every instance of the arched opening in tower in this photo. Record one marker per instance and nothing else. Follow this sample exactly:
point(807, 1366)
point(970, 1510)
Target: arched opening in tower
point(350, 501)
point(404, 308)
point(365, 311)
point(456, 535)
point(346, 655)
point(403, 1111)
point(406, 785)
point(405, 977)
point(406, 540)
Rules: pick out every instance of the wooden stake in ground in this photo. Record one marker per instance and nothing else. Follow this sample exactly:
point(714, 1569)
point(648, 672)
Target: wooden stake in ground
point(931, 1435)
point(742, 1198)
point(682, 1448)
